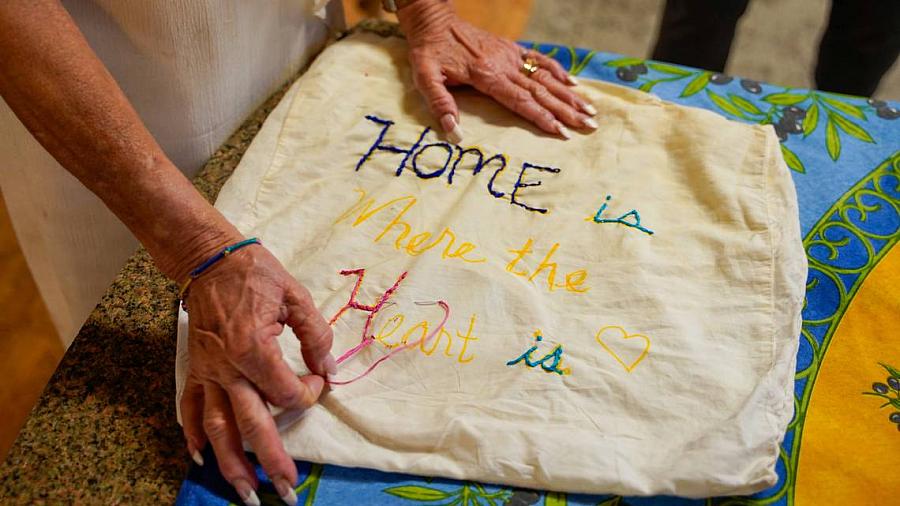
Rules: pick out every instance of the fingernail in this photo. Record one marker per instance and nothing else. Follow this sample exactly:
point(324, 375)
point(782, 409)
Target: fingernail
point(572, 80)
point(590, 123)
point(198, 459)
point(588, 108)
point(562, 130)
point(285, 491)
point(330, 364)
point(248, 495)
point(452, 129)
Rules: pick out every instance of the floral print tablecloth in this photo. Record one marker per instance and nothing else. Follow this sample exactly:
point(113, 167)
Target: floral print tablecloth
point(843, 445)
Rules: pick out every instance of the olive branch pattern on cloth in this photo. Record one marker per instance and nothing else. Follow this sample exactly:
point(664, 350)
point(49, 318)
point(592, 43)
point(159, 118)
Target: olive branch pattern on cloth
point(890, 392)
point(469, 494)
point(791, 111)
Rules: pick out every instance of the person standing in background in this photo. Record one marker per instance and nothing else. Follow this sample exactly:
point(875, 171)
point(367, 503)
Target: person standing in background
point(860, 44)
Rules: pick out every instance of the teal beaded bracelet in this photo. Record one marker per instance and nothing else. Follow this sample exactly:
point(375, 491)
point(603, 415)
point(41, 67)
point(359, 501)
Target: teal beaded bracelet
point(194, 274)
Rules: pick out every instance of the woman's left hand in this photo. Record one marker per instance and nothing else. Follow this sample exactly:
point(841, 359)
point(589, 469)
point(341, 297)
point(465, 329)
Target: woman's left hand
point(445, 51)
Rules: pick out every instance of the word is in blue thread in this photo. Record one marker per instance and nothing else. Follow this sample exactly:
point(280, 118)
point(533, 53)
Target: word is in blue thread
point(622, 220)
point(554, 358)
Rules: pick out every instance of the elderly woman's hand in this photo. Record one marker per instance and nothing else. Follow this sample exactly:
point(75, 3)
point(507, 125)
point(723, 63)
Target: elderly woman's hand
point(445, 51)
point(237, 310)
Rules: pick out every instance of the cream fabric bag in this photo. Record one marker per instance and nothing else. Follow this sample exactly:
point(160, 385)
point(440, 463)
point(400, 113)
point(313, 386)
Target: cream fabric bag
point(668, 313)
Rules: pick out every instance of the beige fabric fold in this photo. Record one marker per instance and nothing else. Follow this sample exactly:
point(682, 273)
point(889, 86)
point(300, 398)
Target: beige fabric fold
point(668, 321)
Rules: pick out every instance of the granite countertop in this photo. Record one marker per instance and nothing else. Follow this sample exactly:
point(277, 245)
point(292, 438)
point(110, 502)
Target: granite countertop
point(104, 429)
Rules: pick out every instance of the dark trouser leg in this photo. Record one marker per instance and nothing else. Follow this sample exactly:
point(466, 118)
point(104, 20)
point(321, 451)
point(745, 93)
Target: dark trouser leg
point(698, 32)
point(860, 44)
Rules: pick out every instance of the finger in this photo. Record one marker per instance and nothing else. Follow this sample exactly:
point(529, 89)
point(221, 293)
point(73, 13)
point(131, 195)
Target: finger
point(257, 427)
point(553, 66)
point(222, 431)
point(563, 111)
point(431, 84)
point(564, 93)
point(311, 329)
point(192, 418)
point(261, 360)
point(520, 101)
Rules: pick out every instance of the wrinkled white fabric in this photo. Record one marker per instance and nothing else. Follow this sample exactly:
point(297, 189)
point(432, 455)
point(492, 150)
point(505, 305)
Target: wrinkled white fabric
point(194, 70)
point(679, 345)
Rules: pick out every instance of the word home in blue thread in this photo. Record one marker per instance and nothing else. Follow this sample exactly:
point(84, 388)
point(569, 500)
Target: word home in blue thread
point(454, 156)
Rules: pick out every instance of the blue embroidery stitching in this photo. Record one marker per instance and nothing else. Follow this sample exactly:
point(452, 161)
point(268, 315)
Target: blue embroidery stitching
point(393, 149)
point(556, 354)
point(520, 184)
point(478, 165)
point(621, 219)
point(436, 173)
point(414, 151)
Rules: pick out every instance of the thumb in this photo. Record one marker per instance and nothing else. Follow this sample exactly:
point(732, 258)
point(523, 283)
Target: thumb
point(431, 84)
point(311, 329)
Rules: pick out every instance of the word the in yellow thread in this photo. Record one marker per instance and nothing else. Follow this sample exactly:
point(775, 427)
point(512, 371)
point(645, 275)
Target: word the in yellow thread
point(420, 330)
point(573, 280)
point(551, 362)
point(365, 208)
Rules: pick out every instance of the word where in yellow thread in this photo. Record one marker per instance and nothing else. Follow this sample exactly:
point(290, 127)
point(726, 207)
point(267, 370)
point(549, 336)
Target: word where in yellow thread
point(420, 330)
point(365, 208)
point(574, 280)
point(550, 362)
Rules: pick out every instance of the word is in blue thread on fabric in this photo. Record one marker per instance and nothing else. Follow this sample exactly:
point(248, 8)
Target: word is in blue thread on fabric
point(555, 358)
point(636, 224)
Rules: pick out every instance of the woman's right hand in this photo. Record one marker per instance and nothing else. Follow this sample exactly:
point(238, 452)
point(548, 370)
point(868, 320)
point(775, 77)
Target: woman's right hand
point(237, 309)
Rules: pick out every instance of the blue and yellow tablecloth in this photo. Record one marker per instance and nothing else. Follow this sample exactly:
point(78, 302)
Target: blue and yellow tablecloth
point(843, 445)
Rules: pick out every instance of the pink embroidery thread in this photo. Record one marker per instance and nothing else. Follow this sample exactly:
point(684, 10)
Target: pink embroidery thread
point(368, 339)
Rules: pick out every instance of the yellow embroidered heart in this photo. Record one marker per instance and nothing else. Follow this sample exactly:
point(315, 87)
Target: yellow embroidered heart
point(616, 333)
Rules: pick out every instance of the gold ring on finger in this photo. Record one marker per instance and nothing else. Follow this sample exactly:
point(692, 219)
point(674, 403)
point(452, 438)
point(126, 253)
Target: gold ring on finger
point(530, 66)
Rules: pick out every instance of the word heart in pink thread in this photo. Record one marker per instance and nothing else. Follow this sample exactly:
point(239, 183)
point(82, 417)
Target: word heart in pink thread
point(367, 338)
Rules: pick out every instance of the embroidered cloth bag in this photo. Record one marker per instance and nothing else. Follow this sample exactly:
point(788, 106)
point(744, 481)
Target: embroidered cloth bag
point(624, 307)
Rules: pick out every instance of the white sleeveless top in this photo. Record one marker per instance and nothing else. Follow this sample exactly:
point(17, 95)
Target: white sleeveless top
point(194, 70)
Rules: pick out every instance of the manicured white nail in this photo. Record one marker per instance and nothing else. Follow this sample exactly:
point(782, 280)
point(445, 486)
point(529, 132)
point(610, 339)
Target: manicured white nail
point(198, 459)
point(562, 130)
point(248, 495)
point(590, 123)
point(285, 491)
point(452, 129)
point(572, 80)
point(330, 365)
point(588, 108)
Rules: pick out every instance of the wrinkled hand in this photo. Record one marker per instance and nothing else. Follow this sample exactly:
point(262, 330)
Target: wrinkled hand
point(446, 51)
point(237, 310)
